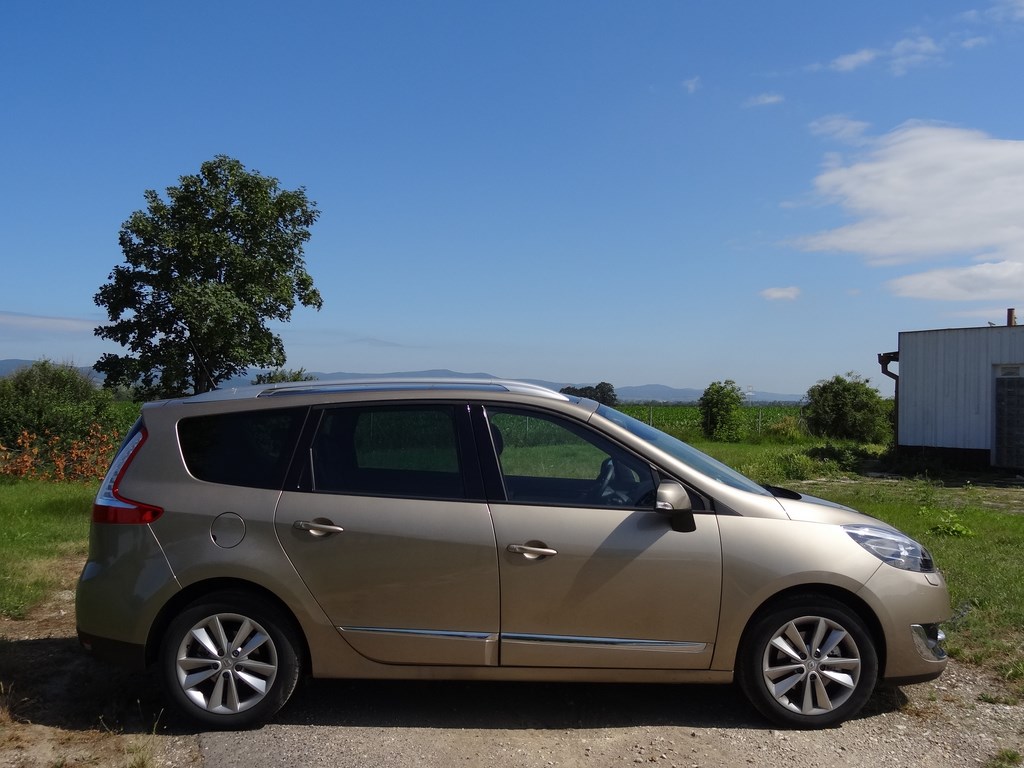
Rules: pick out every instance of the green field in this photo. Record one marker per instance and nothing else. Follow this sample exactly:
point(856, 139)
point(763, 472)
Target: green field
point(761, 421)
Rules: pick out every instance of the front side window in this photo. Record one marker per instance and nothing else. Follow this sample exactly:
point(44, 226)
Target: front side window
point(548, 460)
point(409, 451)
point(684, 452)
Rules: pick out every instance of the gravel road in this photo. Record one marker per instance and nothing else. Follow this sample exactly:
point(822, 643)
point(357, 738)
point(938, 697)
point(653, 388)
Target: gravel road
point(401, 725)
point(59, 707)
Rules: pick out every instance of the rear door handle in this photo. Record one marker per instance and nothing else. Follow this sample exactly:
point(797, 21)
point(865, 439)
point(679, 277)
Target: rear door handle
point(318, 527)
point(530, 551)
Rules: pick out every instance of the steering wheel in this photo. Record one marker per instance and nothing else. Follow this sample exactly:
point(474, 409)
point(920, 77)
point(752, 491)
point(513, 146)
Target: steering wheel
point(604, 491)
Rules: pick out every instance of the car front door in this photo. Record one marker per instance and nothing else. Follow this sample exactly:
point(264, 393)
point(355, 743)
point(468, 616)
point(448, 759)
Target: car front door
point(392, 537)
point(591, 575)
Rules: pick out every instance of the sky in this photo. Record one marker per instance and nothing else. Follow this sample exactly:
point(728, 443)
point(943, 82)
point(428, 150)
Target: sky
point(667, 192)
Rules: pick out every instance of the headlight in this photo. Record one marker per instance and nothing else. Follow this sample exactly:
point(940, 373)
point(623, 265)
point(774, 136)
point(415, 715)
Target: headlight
point(892, 547)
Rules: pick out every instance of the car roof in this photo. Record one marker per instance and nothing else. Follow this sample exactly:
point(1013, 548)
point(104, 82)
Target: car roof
point(382, 384)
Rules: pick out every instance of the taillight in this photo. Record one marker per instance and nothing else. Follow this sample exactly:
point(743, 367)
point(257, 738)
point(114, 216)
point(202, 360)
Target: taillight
point(110, 506)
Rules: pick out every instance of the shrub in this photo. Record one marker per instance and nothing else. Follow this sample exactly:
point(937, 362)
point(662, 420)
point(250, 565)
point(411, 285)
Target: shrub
point(787, 429)
point(720, 410)
point(848, 408)
point(56, 400)
point(56, 424)
point(47, 457)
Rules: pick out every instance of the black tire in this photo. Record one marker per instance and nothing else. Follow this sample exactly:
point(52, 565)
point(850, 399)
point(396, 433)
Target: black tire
point(807, 662)
point(230, 661)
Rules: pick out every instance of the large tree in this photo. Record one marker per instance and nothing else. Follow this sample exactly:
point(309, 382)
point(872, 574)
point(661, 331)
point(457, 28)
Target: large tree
point(204, 271)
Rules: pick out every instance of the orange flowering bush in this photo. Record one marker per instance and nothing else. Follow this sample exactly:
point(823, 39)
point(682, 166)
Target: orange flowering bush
point(50, 457)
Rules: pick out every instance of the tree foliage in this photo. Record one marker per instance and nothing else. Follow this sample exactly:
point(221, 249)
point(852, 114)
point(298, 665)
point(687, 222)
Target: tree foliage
point(204, 271)
point(48, 398)
point(848, 407)
point(283, 375)
point(720, 411)
point(603, 393)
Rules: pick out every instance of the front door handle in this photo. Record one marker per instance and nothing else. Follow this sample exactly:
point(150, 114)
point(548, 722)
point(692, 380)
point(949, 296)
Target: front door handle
point(318, 527)
point(530, 551)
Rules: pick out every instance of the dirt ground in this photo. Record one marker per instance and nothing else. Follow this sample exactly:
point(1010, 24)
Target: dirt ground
point(59, 708)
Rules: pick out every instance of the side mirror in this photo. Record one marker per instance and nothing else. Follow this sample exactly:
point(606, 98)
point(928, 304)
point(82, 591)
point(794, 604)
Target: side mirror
point(672, 498)
point(673, 502)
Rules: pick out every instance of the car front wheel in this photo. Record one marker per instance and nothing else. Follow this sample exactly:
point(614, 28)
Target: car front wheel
point(229, 661)
point(808, 662)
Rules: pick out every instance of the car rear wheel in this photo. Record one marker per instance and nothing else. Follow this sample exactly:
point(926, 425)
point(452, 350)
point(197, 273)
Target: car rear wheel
point(808, 662)
point(229, 661)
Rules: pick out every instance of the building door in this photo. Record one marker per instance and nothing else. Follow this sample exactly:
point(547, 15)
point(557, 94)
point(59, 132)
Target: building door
point(1009, 431)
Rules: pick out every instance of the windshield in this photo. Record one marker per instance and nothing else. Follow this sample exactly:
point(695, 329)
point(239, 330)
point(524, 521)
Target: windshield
point(683, 452)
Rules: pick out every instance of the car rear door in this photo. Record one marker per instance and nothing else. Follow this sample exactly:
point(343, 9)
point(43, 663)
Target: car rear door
point(391, 535)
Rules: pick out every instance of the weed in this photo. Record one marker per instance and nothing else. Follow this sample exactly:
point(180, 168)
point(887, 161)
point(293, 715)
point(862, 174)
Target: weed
point(997, 698)
point(950, 525)
point(1004, 758)
point(1014, 671)
point(5, 705)
point(138, 753)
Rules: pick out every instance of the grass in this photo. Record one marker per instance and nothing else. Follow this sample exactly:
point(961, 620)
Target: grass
point(977, 538)
point(1004, 758)
point(39, 522)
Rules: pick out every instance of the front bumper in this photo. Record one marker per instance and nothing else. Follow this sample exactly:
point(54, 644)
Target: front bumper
point(910, 607)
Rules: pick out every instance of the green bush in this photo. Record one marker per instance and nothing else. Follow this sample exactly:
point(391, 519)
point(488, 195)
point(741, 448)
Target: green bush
point(720, 410)
point(54, 399)
point(787, 429)
point(848, 408)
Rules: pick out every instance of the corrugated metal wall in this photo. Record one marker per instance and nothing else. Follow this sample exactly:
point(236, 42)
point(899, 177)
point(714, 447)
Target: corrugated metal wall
point(947, 384)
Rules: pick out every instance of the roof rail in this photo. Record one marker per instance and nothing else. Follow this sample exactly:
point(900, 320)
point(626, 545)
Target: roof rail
point(382, 384)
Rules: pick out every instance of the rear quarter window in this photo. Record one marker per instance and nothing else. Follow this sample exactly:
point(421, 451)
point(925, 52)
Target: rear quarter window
point(246, 448)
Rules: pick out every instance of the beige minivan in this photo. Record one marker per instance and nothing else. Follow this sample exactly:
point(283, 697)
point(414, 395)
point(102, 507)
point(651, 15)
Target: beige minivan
point(482, 530)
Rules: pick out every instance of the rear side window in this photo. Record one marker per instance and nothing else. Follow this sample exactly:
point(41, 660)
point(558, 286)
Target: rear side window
point(388, 451)
point(248, 448)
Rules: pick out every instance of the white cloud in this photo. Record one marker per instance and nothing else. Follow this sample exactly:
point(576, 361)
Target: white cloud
point(1007, 10)
point(840, 127)
point(975, 42)
point(764, 100)
point(992, 280)
point(781, 294)
point(995, 315)
point(916, 52)
point(852, 61)
point(929, 193)
point(20, 322)
point(691, 85)
point(901, 57)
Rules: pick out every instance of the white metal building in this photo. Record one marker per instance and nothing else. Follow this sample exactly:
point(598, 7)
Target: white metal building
point(962, 390)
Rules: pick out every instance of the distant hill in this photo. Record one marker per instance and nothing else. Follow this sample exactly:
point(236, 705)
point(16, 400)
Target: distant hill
point(629, 394)
point(10, 365)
